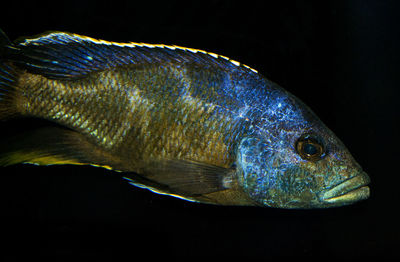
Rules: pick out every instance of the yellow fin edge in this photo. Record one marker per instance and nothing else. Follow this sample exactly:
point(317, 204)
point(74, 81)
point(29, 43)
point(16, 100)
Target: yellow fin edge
point(18, 157)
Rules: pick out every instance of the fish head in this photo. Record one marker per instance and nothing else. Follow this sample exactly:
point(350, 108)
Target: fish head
point(297, 162)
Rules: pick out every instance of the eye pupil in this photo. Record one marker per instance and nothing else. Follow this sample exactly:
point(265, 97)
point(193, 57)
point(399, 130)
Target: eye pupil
point(310, 149)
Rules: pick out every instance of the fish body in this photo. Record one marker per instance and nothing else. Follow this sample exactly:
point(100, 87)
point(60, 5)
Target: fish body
point(178, 121)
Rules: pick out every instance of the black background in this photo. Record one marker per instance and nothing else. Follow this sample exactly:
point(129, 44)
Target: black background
point(340, 57)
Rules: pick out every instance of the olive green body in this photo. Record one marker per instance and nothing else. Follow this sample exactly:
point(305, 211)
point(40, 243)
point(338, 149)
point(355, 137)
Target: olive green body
point(135, 115)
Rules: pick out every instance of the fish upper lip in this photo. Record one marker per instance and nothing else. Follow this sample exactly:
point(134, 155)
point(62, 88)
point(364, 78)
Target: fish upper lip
point(348, 191)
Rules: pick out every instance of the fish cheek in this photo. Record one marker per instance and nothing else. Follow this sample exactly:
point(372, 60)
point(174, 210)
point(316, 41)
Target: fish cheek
point(271, 178)
point(297, 187)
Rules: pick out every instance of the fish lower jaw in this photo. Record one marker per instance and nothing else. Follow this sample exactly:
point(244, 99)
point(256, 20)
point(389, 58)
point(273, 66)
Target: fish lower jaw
point(347, 192)
point(350, 197)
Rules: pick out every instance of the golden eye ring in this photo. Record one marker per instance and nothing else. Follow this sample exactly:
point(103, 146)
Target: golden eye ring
point(309, 148)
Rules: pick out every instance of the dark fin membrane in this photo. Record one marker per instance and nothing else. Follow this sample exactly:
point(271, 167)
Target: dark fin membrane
point(8, 92)
point(182, 177)
point(4, 42)
point(8, 77)
point(51, 145)
point(60, 55)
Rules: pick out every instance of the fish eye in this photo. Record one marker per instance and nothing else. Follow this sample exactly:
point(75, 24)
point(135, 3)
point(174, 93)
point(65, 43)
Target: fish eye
point(309, 148)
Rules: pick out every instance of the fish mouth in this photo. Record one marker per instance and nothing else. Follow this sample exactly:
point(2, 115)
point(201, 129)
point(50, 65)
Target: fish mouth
point(347, 192)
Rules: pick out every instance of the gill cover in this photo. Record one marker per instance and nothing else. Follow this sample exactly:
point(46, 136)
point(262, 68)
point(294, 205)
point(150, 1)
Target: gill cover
point(269, 179)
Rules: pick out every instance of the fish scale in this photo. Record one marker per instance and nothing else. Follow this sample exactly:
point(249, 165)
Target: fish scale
point(107, 131)
point(177, 121)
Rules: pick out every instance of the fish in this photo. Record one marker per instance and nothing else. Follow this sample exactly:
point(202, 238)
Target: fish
point(177, 121)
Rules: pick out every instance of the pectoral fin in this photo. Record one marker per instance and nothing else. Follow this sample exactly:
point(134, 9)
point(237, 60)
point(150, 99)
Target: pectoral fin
point(183, 177)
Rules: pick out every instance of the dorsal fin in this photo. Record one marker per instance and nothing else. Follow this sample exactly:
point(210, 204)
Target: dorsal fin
point(60, 55)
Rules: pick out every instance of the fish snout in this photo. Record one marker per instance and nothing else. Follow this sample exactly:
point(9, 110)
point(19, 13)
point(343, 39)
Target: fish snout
point(347, 192)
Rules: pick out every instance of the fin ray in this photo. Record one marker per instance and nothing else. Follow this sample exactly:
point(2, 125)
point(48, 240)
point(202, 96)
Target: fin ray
point(51, 145)
point(8, 76)
point(184, 177)
point(61, 55)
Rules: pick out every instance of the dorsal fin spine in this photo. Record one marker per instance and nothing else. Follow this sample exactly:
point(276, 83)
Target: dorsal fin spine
point(71, 55)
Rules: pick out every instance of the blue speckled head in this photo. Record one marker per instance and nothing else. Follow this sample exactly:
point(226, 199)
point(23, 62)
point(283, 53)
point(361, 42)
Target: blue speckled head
point(292, 160)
